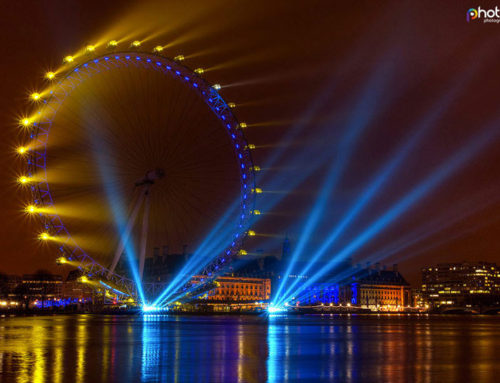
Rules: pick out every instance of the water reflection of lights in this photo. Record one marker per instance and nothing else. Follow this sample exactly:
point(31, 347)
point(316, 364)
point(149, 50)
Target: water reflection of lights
point(279, 350)
point(130, 350)
point(39, 368)
point(81, 341)
point(24, 375)
point(58, 336)
point(177, 349)
point(273, 363)
point(150, 348)
point(154, 317)
point(105, 353)
point(166, 348)
point(241, 355)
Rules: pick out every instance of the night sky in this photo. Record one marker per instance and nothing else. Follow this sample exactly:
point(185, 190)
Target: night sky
point(397, 68)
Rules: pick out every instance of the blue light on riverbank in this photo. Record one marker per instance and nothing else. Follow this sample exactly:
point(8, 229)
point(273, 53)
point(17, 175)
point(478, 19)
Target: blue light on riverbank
point(146, 309)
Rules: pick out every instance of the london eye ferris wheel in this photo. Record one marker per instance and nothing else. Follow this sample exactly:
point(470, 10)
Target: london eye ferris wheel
point(127, 150)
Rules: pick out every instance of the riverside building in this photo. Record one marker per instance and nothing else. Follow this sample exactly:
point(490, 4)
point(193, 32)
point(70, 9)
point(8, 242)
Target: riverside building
point(462, 284)
point(238, 289)
point(376, 288)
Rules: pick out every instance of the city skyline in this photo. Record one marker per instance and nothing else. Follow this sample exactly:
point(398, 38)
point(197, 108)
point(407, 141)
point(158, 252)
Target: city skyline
point(453, 221)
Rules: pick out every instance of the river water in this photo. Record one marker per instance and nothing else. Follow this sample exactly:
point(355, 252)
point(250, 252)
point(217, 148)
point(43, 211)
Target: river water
point(347, 348)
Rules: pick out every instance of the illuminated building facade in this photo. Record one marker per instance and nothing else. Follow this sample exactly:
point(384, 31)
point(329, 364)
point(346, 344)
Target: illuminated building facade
point(382, 289)
point(461, 284)
point(44, 290)
point(324, 293)
point(42, 286)
point(238, 289)
point(371, 288)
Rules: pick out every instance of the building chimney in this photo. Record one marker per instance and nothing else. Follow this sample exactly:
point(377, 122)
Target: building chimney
point(395, 267)
point(156, 254)
point(377, 266)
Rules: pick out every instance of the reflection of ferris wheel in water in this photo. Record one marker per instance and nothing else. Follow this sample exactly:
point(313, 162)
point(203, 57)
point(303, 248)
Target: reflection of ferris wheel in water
point(139, 151)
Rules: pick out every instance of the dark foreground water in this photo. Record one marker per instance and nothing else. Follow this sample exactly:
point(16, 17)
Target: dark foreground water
point(92, 348)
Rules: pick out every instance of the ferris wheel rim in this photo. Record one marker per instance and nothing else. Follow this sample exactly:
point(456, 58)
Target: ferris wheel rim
point(216, 103)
